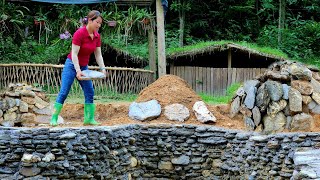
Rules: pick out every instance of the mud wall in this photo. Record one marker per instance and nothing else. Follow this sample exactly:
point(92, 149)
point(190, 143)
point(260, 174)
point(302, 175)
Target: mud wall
point(139, 152)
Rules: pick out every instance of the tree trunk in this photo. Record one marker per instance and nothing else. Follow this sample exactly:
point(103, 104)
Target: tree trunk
point(182, 16)
point(282, 11)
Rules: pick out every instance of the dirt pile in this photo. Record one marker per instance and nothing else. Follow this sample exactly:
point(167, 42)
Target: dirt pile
point(170, 89)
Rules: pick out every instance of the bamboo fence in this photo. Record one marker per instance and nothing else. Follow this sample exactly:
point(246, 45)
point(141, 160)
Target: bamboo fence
point(48, 77)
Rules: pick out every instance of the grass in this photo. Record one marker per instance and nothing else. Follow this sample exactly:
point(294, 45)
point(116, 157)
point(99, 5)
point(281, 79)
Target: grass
point(221, 99)
point(203, 45)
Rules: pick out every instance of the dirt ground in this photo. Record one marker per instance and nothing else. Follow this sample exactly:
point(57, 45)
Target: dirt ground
point(167, 90)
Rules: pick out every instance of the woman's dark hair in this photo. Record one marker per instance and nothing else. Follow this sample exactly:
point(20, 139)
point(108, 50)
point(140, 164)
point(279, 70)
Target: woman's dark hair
point(94, 14)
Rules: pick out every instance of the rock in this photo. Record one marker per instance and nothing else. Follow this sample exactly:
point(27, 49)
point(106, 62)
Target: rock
point(145, 110)
point(288, 124)
point(45, 111)
point(134, 162)
point(277, 76)
point(262, 98)
point(316, 110)
point(240, 92)
point(301, 122)
point(39, 103)
point(316, 97)
point(182, 160)
point(304, 87)
point(23, 107)
point(165, 165)
point(249, 84)
point(250, 98)
point(30, 158)
point(49, 157)
point(306, 100)
point(315, 75)
point(27, 93)
point(202, 113)
point(235, 107)
point(306, 163)
point(12, 116)
point(12, 94)
point(29, 171)
point(27, 118)
point(6, 123)
point(249, 123)
point(275, 107)
point(256, 115)
point(11, 102)
point(1, 113)
point(245, 111)
point(312, 104)
point(45, 119)
point(28, 100)
point(315, 85)
point(295, 100)
point(274, 89)
point(176, 112)
point(274, 124)
point(300, 72)
point(285, 89)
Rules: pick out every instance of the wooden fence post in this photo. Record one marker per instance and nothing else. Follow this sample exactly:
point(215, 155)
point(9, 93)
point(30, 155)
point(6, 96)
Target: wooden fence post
point(161, 39)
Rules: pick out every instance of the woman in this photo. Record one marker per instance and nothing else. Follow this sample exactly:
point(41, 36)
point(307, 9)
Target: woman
point(85, 41)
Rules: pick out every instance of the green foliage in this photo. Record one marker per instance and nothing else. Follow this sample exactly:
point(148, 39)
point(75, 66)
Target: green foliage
point(231, 90)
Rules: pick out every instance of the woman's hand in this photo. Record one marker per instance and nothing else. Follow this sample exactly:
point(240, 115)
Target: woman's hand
point(104, 72)
point(79, 75)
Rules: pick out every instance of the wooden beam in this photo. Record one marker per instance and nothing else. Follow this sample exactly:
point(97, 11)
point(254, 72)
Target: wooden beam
point(161, 40)
point(152, 51)
point(229, 58)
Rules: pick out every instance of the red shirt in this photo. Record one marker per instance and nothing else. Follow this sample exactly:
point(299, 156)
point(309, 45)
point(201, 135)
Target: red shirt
point(87, 45)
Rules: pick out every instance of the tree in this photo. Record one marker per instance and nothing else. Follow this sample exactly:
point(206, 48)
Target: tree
point(181, 6)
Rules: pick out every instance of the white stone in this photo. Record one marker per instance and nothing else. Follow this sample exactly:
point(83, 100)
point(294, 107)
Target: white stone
point(176, 112)
point(202, 113)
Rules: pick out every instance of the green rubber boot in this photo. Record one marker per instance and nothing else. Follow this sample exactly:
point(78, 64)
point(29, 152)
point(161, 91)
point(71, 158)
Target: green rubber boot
point(89, 110)
point(56, 111)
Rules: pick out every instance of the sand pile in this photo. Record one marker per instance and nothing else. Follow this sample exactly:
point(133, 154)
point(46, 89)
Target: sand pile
point(169, 89)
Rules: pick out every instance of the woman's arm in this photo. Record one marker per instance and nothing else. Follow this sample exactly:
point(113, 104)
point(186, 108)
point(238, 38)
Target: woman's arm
point(99, 59)
point(74, 55)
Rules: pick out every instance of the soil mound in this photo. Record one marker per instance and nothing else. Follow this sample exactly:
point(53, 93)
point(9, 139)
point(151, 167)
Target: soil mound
point(169, 89)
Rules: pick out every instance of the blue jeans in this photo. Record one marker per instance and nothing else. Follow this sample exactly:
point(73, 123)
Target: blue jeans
point(68, 75)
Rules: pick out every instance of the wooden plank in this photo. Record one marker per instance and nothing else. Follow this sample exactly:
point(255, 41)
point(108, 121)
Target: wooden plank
point(197, 79)
point(212, 81)
point(209, 81)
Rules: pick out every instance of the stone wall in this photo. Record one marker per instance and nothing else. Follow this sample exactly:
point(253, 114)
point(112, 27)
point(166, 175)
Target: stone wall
point(142, 152)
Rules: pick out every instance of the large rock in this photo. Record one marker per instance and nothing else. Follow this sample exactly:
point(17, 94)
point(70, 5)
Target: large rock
point(235, 107)
point(23, 107)
point(176, 112)
point(300, 72)
point(28, 118)
point(248, 122)
point(39, 103)
point(274, 89)
point(144, 110)
point(202, 113)
point(275, 107)
point(274, 124)
point(45, 119)
point(295, 100)
point(301, 122)
point(285, 89)
point(250, 98)
point(262, 98)
point(249, 84)
point(304, 87)
point(256, 114)
point(316, 97)
point(315, 85)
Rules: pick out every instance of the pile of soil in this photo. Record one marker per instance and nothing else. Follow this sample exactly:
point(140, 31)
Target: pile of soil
point(170, 89)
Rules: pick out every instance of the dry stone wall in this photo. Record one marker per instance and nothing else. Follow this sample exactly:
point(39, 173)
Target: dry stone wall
point(142, 152)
